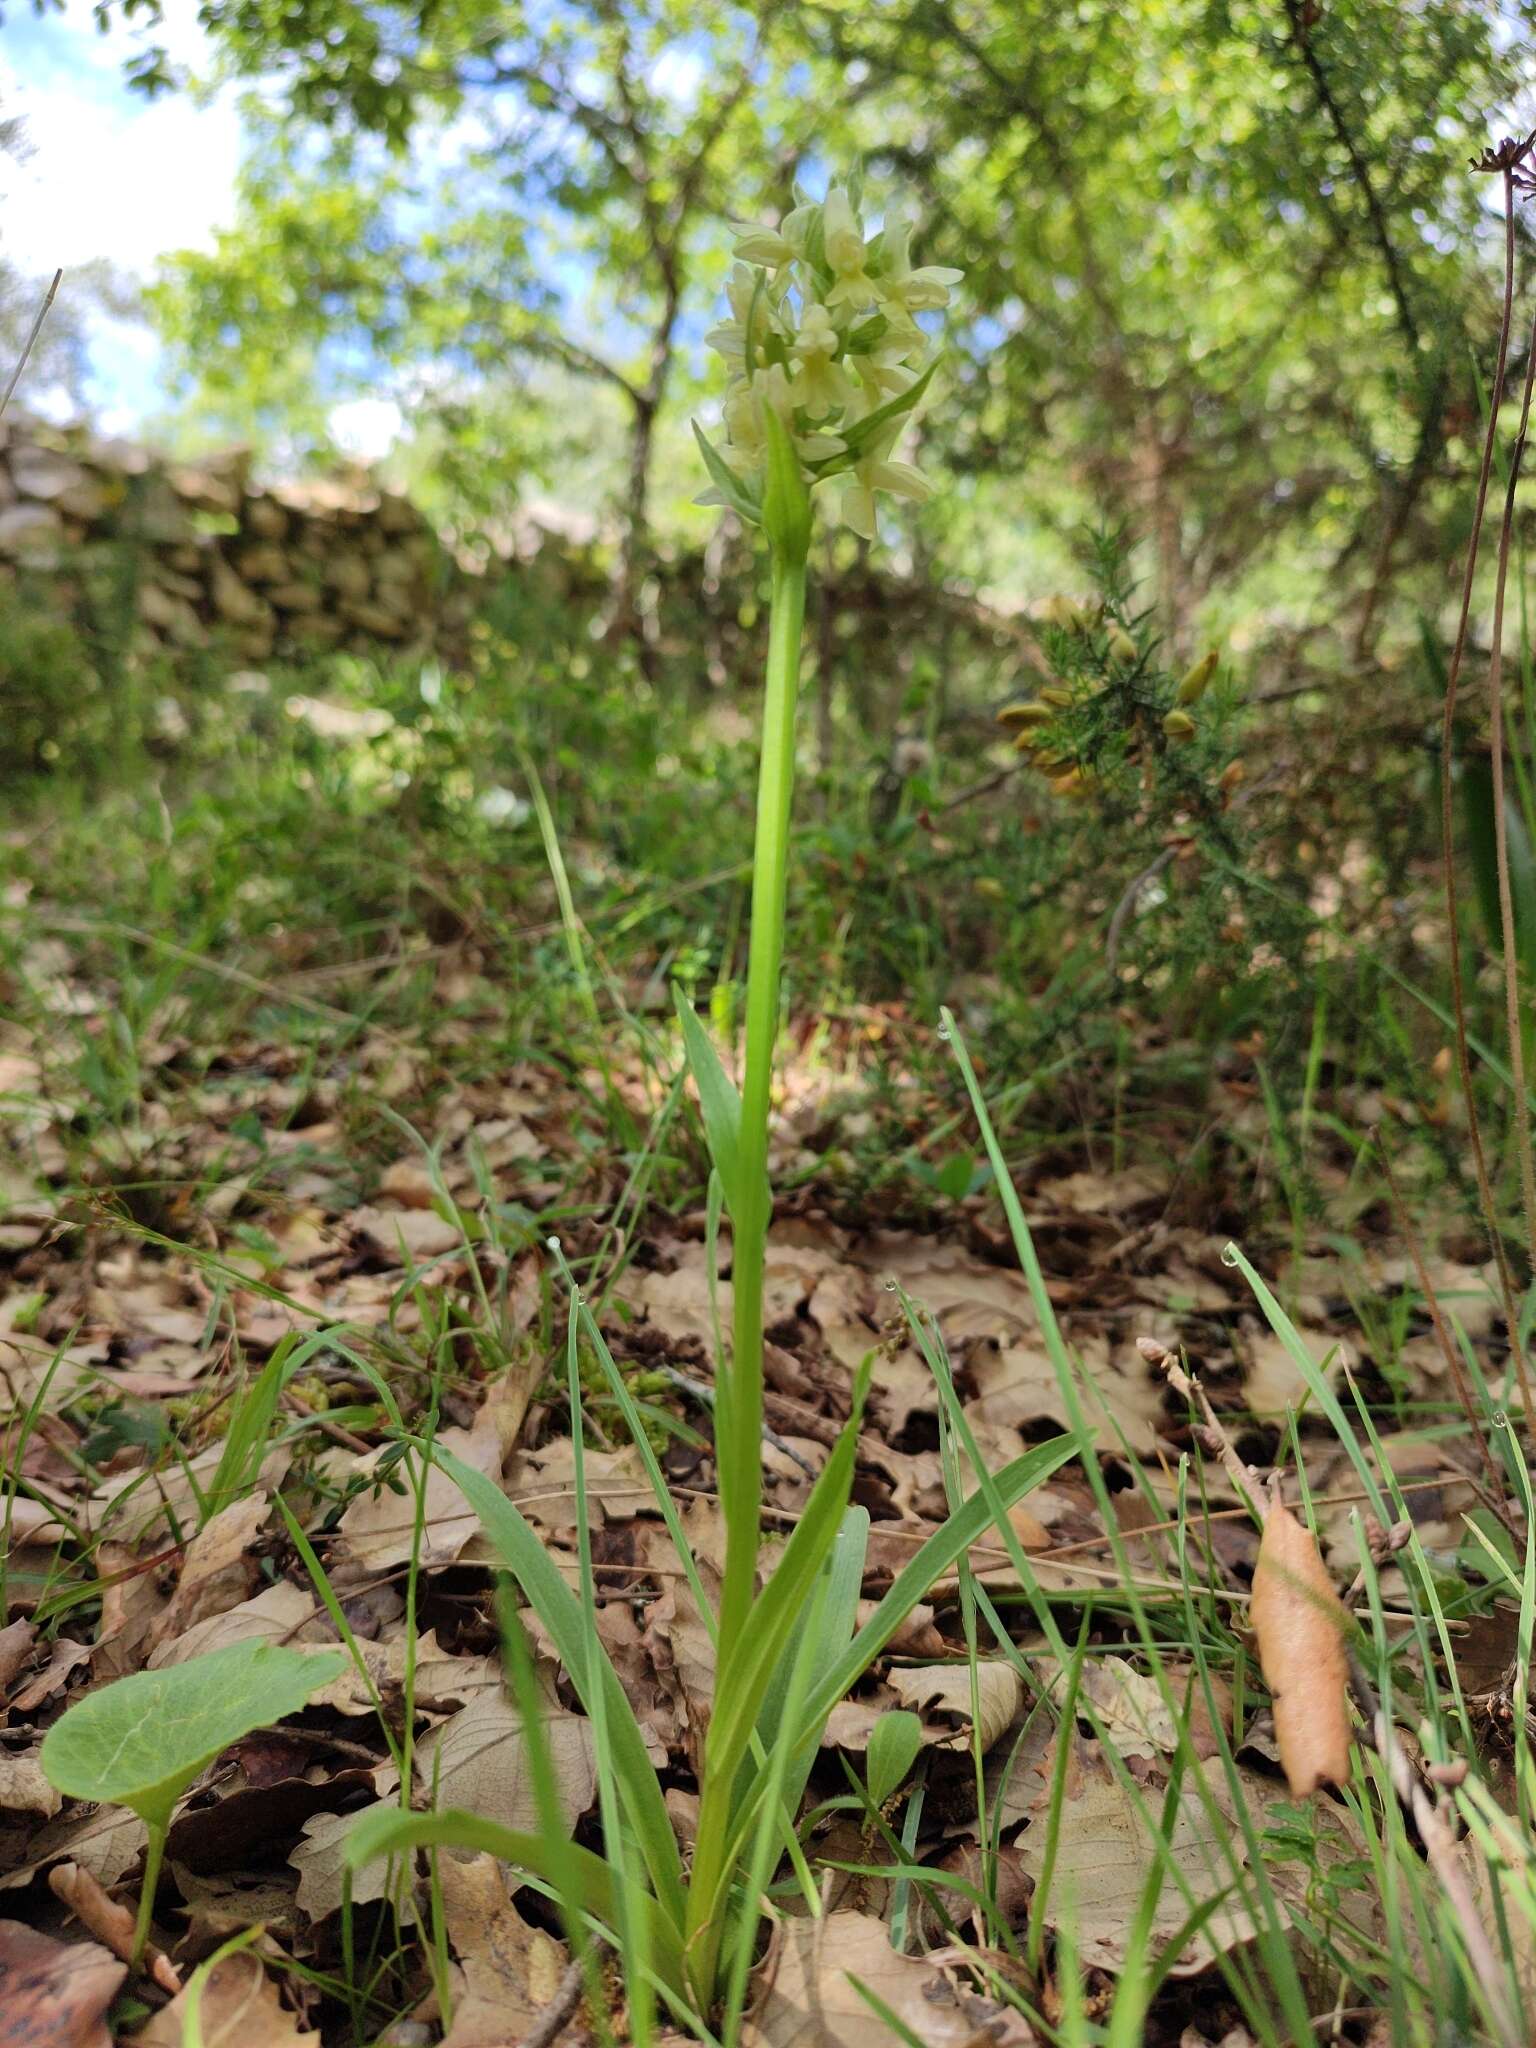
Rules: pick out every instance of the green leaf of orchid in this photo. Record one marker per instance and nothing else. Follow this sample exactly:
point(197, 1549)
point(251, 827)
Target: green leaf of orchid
point(862, 435)
point(719, 1100)
point(732, 489)
point(786, 499)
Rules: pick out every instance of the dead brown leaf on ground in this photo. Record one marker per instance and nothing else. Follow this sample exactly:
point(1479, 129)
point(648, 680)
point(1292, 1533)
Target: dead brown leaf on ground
point(1106, 1849)
point(238, 2005)
point(1302, 1628)
point(810, 2001)
point(55, 1994)
point(943, 1693)
point(477, 1759)
point(509, 1971)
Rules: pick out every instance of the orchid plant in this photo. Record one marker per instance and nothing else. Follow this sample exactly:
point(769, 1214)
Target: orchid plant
point(828, 363)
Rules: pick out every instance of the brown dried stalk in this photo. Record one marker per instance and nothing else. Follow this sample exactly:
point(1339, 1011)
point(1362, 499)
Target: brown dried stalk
point(1501, 843)
point(1447, 761)
point(1432, 1819)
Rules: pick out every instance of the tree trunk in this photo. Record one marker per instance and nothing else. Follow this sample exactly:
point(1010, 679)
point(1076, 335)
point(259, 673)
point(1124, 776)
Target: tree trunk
point(635, 542)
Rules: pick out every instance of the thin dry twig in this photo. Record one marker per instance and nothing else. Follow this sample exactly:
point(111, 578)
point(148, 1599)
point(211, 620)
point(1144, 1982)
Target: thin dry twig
point(31, 341)
point(1214, 1435)
point(1447, 764)
point(560, 2011)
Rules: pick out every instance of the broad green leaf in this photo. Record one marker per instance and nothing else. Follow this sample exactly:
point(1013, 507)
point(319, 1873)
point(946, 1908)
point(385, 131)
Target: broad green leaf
point(894, 1742)
point(140, 1742)
point(389, 1832)
point(570, 1628)
point(719, 1100)
point(745, 1678)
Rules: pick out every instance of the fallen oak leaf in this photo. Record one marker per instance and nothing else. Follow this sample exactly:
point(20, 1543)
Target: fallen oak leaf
point(236, 2006)
point(54, 1994)
point(1301, 1626)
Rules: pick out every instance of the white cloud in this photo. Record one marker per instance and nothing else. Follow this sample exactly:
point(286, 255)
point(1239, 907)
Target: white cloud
point(366, 427)
point(110, 174)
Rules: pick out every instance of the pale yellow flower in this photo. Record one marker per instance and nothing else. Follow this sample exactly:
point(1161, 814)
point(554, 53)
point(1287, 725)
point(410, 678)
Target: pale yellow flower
point(878, 473)
point(821, 384)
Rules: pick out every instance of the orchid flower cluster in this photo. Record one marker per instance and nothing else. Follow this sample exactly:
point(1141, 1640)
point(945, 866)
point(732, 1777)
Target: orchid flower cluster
point(824, 344)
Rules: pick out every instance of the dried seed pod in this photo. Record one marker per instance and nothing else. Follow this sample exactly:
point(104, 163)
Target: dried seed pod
point(1015, 715)
point(1179, 725)
point(1301, 1626)
point(1193, 685)
point(1231, 776)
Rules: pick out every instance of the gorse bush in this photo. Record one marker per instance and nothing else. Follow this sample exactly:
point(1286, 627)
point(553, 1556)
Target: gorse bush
point(1139, 767)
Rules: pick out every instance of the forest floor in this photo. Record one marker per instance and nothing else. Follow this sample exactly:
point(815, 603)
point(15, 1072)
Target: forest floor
point(212, 1165)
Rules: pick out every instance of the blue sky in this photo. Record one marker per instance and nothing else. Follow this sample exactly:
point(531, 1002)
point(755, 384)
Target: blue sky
point(109, 176)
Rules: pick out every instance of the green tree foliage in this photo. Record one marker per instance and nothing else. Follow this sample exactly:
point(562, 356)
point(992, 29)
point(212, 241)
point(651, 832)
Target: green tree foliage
point(472, 196)
point(1229, 277)
point(1234, 268)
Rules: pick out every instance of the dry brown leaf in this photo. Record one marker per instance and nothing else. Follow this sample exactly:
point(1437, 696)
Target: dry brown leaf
point(107, 1920)
point(1273, 1381)
point(320, 1860)
point(945, 1689)
point(24, 1789)
point(218, 1569)
point(282, 1614)
point(379, 1527)
point(1301, 1628)
point(238, 2006)
point(1019, 1769)
point(65, 1656)
point(809, 2002)
point(477, 1759)
point(167, 1503)
point(1105, 1851)
point(1131, 1706)
point(16, 1640)
point(54, 1994)
point(420, 1233)
point(108, 1842)
point(1016, 1386)
point(510, 1971)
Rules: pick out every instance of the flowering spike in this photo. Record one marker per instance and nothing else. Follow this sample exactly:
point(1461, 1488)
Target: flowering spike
point(827, 364)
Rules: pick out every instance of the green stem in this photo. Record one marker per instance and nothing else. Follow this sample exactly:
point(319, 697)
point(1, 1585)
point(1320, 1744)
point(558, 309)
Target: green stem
point(739, 1400)
point(741, 1473)
point(147, 1890)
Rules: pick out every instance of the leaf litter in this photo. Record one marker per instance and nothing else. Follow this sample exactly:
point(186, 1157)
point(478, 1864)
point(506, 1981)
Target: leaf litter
point(121, 1357)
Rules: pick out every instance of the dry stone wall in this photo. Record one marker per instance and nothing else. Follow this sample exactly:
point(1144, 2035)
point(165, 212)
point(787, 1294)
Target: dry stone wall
point(217, 560)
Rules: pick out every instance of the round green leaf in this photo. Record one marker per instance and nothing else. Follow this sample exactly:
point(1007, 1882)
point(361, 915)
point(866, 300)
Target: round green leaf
point(141, 1742)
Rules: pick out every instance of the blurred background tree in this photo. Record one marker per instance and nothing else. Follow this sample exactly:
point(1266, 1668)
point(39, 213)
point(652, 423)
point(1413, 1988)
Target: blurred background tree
point(1224, 261)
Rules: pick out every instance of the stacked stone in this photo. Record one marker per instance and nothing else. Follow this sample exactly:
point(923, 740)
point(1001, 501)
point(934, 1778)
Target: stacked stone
point(219, 561)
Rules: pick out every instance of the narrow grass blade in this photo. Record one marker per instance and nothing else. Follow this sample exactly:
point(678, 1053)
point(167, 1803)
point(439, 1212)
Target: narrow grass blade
point(571, 1629)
